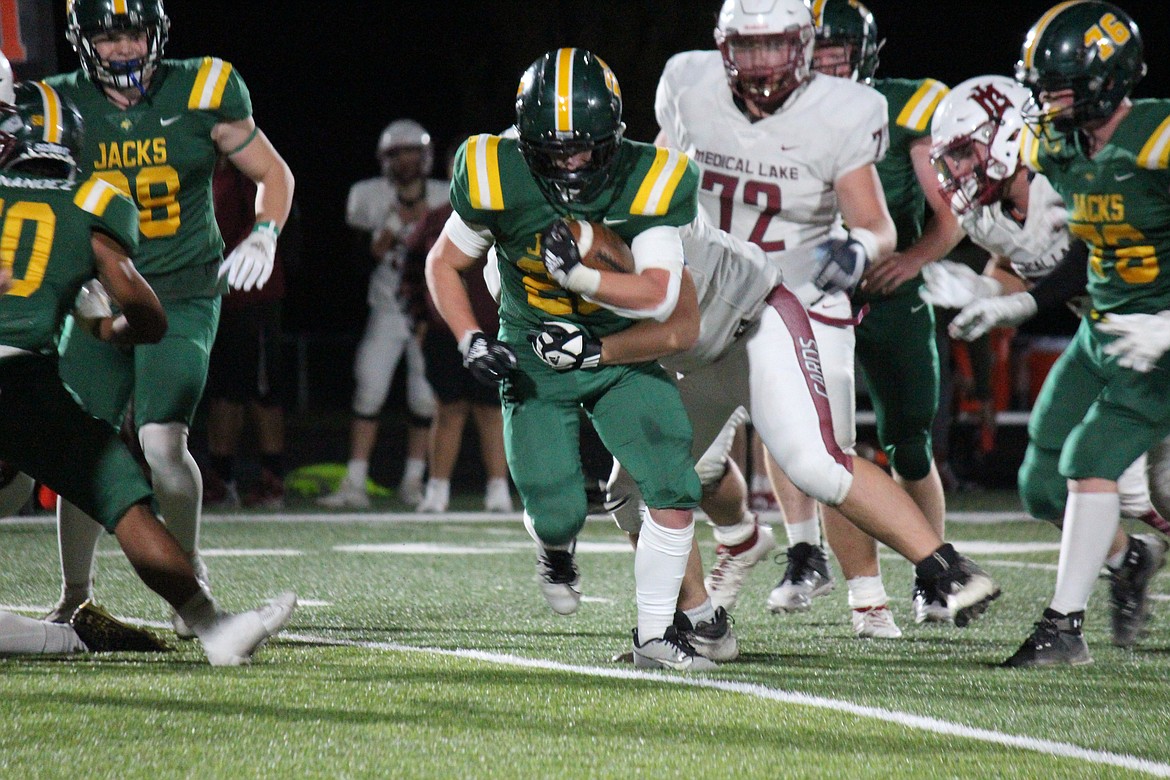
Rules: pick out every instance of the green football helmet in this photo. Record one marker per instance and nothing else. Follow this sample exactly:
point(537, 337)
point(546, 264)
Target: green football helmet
point(1091, 47)
point(849, 24)
point(87, 18)
point(569, 103)
point(40, 133)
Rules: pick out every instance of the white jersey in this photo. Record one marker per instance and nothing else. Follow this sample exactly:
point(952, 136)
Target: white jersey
point(732, 280)
point(770, 181)
point(1035, 247)
point(370, 207)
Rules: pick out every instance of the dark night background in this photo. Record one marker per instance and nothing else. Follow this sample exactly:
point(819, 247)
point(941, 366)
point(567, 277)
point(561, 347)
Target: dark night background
point(326, 78)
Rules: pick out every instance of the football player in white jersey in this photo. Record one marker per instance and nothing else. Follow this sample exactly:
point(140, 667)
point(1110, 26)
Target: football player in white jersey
point(756, 348)
point(786, 157)
point(384, 209)
point(1018, 217)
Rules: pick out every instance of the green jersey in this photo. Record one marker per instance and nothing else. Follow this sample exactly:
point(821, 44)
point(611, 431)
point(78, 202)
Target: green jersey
point(1119, 204)
point(160, 153)
point(911, 105)
point(493, 188)
point(46, 226)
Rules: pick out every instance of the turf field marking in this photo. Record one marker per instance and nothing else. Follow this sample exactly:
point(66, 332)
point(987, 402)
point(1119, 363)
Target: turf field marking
point(905, 719)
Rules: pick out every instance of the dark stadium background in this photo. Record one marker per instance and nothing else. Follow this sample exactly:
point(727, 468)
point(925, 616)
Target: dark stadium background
point(326, 77)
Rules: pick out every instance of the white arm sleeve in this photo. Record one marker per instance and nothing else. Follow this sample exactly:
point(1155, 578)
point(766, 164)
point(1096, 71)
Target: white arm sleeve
point(473, 242)
point(658, 247)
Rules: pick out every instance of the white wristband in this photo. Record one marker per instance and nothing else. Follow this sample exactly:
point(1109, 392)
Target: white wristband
point(868, 241)
point(586, 280)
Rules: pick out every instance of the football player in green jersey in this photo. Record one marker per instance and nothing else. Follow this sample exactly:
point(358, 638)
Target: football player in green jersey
point(1109, 159)
point(58, 234)
point(155, 128)
point(896, 347)
point(570, 160)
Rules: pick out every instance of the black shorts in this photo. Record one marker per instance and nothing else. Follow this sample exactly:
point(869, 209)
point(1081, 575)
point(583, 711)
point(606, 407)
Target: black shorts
point(245, 361)
point(446, 374)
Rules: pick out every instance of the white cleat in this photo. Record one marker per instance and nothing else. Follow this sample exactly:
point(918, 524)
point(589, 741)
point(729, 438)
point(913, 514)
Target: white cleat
point(875, 623)
point(410, 491)
point(732, 565)
point(806, 577)
point(436, 499)
point(347, 496)
point(497, 497)
point(670, 651)
point(233, 638)
point(556, 572)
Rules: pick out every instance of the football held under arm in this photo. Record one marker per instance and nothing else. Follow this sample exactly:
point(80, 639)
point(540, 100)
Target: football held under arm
point(653, 292)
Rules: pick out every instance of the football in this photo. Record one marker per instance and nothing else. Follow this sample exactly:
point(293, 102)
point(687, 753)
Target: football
point(601, 248)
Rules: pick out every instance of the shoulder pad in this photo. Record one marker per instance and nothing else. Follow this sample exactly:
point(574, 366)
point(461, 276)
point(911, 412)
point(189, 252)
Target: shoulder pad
point(660, 182)
point(210, 82)
point(1155, 152)
point(918, 110)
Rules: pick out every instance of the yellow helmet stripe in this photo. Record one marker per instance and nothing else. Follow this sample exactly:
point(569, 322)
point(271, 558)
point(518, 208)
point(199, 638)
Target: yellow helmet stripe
point(1030, 148)
point(51, 103)
point(920, 107)
point(483, 172)
point(1155, 153)
point(210, 83)
point(119, 7)
point(564, 81)
point(1039, 28)
point(653, 198)
point(95, 195)
point(818, 12)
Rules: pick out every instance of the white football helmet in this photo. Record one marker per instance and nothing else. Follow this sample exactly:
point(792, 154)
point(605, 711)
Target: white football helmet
point(975, 139)
point(7, 81)
point(767, 48)
point(409, 134)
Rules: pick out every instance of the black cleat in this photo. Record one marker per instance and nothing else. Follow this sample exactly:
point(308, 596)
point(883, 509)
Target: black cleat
point(965, 588)
point(103, 633)
point(1057, 640)
point(1129, 584)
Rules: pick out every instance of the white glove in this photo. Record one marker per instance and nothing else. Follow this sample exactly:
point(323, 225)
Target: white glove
point(1142, 338)
point(1002, 311)
point(92, 305)
point(952, 285)
point(250, 263)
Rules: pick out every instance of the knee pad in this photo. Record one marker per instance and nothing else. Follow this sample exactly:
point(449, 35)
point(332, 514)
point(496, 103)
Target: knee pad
point(15, 493)
point(912, 457)
point(1042, 490)
point(628, 516)
point(820, 476)
point(163, 443)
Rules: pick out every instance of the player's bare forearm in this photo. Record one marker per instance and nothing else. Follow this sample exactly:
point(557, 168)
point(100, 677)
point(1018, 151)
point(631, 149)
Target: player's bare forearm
point(649, 339)
point(143, 320)
point(445, 264)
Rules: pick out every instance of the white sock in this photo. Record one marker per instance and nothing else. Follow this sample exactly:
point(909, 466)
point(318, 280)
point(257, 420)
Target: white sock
point(1114, 561)
point(733, 535)
point(200, 613)
point(77, 538)
point(497, 485)
point(704, 613)
point(415, 468)
point(176, 480)
point(808, 531)
point(25, 635)
point(356, 472)
point(1090, 522)
point(439, 490)
point(866, 592)
point(659, 564)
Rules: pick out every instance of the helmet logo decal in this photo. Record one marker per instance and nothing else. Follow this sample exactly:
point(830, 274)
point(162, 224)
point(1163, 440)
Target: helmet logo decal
point(565, 90)
point(1117, 31)
point(991, 100)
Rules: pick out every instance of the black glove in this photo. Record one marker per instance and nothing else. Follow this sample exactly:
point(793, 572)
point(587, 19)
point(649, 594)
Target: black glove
point(841, 262)
point(562, 260)
point(566, 347)
point(489, 360)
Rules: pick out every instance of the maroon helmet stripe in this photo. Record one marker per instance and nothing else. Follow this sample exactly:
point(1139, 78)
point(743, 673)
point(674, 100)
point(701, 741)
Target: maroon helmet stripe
point(795, 318)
